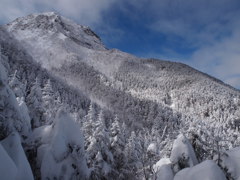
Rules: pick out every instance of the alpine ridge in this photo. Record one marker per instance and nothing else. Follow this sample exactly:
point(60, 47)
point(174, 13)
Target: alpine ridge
point(78, 110)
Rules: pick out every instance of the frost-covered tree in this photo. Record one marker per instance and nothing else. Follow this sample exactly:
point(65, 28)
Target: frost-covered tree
point(49, 97)
point(18, 87)
point(182, 154)
point(48, 93)
point(89, 124)
point(151, 114)
point(99, 152)
point(35, 104)
point(118, 142)
point(131, 148)
point(25, 116)
point(19, 90)
point(61, 154)
point(10, 115)
point(133, 154)
point(211, 140)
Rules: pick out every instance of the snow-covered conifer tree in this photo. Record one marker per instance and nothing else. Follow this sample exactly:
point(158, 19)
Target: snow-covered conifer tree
point(35, 104)
point(100, 155)
point(10, 115)
point(88, 124)
point(62, 156)
point(48, 97)
point(18, 88)
point(117, 145)
point(133, 153)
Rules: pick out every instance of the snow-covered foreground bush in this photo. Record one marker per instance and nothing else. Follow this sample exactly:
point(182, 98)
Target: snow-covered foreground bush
point(163, 169)
point(183, 164)
point(12, 113)
point(182, 154)
point(231, 162)
point(207, 170)
point(61, 153)
point(13, 161)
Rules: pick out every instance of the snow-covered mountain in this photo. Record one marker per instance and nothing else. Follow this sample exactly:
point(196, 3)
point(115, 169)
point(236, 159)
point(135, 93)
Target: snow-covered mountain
point(135, 107)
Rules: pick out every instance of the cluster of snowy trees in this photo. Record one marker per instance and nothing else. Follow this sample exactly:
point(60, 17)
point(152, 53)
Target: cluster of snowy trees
point(114, 151)
point(182, 88)
point(184, 164)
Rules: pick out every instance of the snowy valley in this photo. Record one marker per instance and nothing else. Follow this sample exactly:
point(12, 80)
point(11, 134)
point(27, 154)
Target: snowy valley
point(70, 108)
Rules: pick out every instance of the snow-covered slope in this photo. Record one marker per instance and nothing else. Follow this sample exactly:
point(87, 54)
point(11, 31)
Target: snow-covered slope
point(72, 52)
point(52, 62)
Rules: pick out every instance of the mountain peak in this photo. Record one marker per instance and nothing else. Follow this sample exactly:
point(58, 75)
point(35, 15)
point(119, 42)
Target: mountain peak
point(48, 24)
point(39, 20)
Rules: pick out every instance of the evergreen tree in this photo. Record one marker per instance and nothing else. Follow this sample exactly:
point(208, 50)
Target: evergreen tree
point(133, 153)
point(49, 97)
point(99, 153)
point(11, 118)
point(88, 124)
point(18, 87)
point(34, 102)
point(63, 155)
point(117, 146)
point(48, 94)
point(151, 114)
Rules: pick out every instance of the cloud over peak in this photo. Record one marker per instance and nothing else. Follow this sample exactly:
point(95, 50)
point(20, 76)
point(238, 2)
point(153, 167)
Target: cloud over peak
point(87, 12)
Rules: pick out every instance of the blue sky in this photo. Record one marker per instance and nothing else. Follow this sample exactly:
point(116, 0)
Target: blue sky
point(202, 33)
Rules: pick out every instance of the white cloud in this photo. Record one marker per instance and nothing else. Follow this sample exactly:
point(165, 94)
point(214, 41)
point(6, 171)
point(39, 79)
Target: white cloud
point(221, 59)
point(85, 11)
point(198, 23)
point(88, 12)
point(11, 9)
point(176, 27)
